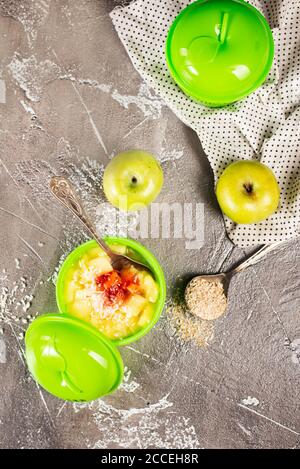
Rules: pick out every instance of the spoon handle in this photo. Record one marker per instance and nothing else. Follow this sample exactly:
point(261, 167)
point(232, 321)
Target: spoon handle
point(256, 256)
point(64, 192)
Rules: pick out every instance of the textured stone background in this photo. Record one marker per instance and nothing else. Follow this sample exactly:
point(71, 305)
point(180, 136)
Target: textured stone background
point(69, 100)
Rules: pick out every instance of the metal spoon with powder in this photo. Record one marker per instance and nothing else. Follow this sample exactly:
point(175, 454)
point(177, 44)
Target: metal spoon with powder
point(206, 295)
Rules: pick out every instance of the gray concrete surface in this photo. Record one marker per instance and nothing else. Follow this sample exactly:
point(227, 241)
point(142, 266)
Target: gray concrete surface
point(70, 99)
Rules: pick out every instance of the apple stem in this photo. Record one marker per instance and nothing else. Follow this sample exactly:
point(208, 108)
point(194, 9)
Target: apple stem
point(248, 187)
point(134, 180)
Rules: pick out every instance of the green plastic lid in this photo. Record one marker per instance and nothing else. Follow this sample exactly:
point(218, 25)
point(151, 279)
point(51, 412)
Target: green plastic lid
point(219, 51)
point(71, 359)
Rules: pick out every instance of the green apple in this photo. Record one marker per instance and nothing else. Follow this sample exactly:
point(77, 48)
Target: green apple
point(132, 180)
point(248, 192)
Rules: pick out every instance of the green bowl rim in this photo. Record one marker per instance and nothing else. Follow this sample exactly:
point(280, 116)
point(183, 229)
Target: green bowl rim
point(92, 330)
point(211, 102)
point(150, 260)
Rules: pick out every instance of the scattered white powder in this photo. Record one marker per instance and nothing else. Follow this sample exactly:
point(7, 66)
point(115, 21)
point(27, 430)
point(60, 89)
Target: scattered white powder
point(36, 124)
point(26, 302)
point(33, 76)
point(295, 349)
point(152, 426)
point(2, 347)
point(128, 385)
point(86, 81)
point(86, 177)
point(170, 155)
point(15, 300)
point(28, 108)
point(250, 401)
point(54, 274)
point(145, 100)
point(2, 92)
point(150, 104)
point(155, 425)
point(30, 14)
point(113, 222)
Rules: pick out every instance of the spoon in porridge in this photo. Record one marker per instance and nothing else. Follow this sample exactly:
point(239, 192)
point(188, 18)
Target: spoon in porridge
point(206, 295)
point(65, 193)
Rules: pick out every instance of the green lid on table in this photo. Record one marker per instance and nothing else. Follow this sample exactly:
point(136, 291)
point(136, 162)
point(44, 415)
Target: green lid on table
point(71, 359)
point(219, 51)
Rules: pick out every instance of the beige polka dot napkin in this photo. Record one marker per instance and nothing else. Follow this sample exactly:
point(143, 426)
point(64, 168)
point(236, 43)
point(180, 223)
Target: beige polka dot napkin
point(264, 126)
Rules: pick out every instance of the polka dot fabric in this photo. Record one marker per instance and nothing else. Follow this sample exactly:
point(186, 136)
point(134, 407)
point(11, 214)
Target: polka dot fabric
point(264, 126)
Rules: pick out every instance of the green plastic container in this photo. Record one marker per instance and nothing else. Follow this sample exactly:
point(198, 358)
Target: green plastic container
point(219, 51)
point(70, 358)
point(143, 254)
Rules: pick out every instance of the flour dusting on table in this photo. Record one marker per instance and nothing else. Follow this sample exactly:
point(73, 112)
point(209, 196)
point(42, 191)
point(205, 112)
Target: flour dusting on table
point(33, 76)
point(155, 425)
point(2, 347)
point(146, 100)
point(2, 92)
point(31, 15)
point(250, 401)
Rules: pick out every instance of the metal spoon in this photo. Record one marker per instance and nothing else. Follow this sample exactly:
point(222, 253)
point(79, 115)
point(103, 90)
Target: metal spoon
point(64, 192)
point(225, 278)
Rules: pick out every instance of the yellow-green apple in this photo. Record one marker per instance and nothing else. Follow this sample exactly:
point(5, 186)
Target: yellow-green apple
point(132, 180)
point(248, 192)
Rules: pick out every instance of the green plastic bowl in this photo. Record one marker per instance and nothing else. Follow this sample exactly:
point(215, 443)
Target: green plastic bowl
point(144, 255)
point(219, 51)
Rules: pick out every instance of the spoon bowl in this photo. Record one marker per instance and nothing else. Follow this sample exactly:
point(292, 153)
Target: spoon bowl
point(214, 278)
point(225, 278)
